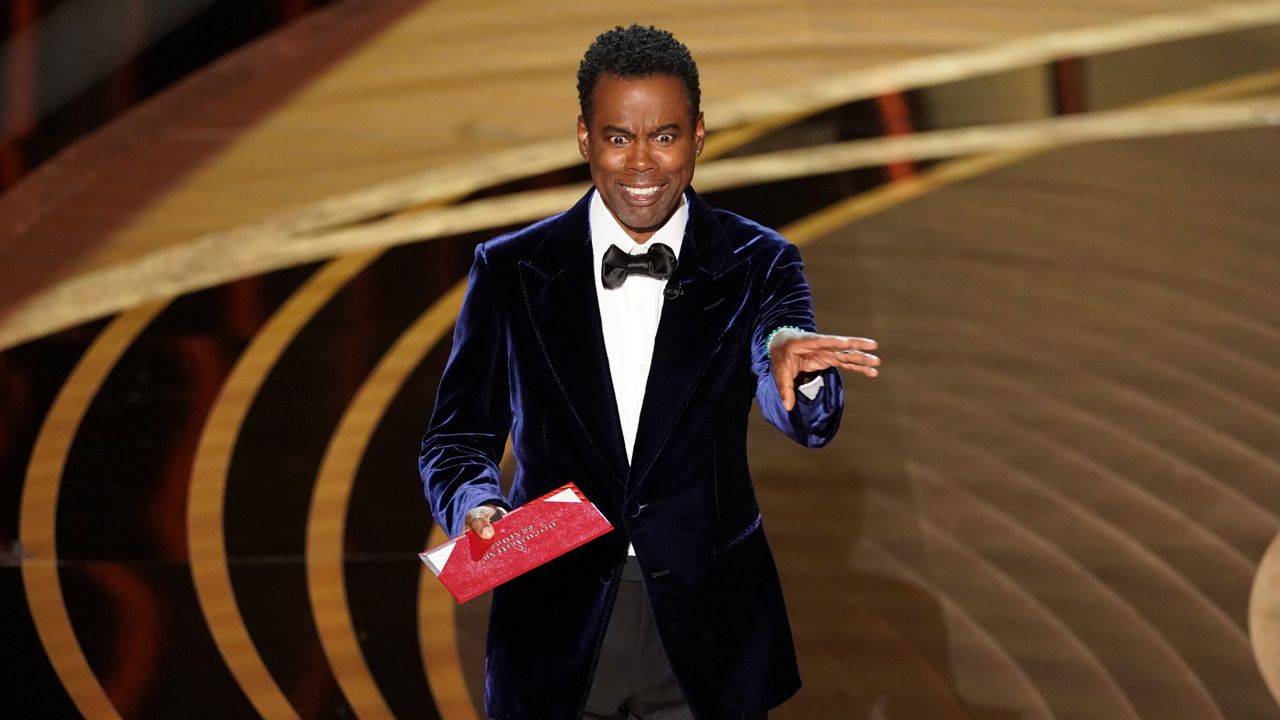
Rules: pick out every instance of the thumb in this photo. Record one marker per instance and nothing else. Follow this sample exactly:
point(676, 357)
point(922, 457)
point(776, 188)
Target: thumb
point(788, 397)
point(786, 390)
point(784, 379)
point(479, 521)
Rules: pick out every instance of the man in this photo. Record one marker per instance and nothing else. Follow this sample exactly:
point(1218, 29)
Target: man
point(621, 343)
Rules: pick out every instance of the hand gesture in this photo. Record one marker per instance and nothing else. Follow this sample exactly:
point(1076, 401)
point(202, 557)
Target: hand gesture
point(792, 352)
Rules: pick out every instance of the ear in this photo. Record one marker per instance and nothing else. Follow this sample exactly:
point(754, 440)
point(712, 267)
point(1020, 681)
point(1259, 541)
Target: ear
point(699, 135)
point(584, 134)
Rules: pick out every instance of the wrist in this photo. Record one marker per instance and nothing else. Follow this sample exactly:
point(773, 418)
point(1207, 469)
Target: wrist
point(782, 330)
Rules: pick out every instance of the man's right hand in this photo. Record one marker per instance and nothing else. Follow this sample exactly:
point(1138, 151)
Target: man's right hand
point(480, 519)
point(792, 352)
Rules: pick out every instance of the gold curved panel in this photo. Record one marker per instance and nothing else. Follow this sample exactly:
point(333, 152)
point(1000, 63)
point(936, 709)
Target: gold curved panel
point(327, 520)
point(1264, 617)
point(38, 520)
point(207, 492)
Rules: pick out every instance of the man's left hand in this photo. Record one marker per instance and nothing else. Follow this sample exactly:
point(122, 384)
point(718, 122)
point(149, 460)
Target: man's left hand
point(793, 352)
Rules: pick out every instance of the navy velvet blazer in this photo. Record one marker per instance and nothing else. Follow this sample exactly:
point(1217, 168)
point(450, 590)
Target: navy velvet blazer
point(529, 359)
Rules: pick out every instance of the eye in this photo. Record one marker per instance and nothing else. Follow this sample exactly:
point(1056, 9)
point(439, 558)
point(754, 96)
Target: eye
point(617, 140)
point(665, 139)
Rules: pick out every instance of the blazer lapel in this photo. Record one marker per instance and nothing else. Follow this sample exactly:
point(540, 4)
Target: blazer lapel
point(559, 290)
point(712, 281)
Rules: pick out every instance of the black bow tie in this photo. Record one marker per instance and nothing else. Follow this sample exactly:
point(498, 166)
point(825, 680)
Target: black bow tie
point(658, 263)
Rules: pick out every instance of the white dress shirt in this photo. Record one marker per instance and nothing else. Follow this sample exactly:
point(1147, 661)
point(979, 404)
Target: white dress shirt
point(629, 314)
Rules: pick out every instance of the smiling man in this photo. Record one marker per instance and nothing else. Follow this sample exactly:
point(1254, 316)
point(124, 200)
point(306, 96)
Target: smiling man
point(620, 344)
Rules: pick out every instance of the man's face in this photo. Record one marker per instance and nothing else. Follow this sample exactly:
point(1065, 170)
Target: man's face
point(641, 148)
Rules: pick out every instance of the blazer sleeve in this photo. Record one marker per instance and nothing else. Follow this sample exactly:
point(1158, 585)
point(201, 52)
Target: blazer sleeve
point(787, 302)
point(472, 417)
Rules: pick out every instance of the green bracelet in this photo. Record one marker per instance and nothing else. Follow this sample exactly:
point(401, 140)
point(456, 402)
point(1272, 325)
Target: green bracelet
point(769, 340)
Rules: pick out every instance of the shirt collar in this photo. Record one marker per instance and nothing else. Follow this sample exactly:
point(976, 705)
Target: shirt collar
point(606, 231)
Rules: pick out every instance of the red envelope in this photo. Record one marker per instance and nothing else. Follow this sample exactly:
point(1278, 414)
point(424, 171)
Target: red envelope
point(532, 534)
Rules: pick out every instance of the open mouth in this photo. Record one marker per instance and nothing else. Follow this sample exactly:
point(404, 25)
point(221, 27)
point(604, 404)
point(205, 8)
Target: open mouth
point(640, 194)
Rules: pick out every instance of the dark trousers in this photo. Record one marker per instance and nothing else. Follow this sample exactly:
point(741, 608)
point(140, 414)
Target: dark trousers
point(633, 678)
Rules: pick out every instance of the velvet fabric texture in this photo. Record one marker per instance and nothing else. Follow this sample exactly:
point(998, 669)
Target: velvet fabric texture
point(529, 358)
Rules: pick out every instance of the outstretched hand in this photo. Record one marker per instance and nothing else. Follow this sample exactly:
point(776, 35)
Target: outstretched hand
point(792, 352)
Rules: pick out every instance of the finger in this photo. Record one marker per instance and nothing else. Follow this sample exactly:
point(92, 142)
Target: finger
point(868, 370)
point(856, 357)
point(859, 359)
point(479, 520)
point(832, 342)
point(845, 357)
point(845, 361)
point(862, 363)
point(803, 350)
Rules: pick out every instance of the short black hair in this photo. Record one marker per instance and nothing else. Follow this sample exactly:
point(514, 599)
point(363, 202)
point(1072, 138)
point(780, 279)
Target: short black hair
point(636, 52)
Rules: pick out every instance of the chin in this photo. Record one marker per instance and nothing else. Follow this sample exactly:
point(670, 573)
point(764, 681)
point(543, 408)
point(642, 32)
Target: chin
point(650, 219)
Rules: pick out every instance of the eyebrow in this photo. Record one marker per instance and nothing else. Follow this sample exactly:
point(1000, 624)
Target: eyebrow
point(623, 131)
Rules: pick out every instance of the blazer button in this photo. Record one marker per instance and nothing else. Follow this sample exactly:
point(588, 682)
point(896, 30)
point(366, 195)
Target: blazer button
point(635, 508)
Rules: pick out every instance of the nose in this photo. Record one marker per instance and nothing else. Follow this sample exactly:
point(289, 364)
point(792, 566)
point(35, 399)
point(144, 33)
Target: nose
point(640, 159)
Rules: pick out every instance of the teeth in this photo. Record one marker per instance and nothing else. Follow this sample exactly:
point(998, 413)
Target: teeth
point(641, 191)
